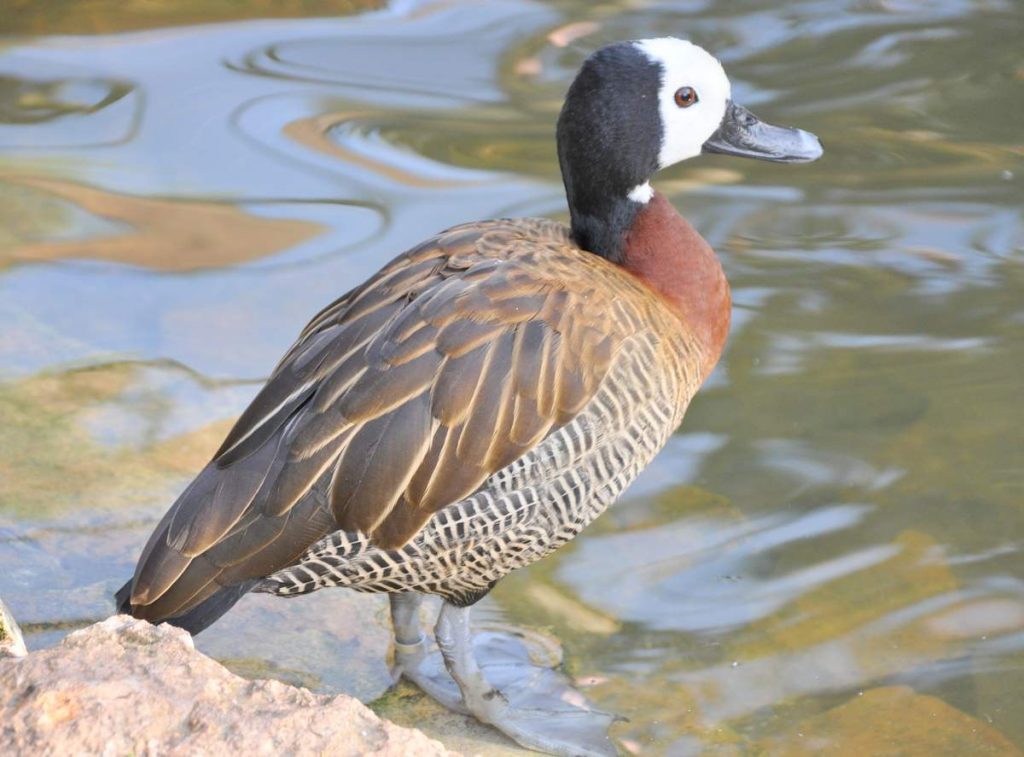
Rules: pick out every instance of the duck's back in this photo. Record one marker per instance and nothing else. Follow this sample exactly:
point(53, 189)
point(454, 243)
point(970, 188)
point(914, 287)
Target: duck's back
point(467, 410)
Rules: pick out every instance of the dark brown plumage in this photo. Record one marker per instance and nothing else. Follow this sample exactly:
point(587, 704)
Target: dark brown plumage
point(402, 397)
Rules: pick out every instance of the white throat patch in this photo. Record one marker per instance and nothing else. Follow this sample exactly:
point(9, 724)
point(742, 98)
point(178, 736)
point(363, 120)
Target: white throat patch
point(684, 64)
point(641, 193)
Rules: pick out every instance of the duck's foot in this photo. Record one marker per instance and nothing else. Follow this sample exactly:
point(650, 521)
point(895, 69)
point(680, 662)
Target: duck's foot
point(579, 732)
point(535, 707)
point(415, 660)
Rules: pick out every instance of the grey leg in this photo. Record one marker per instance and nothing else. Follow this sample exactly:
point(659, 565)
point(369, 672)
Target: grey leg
point(413, 659)
point(405, 620)
point(455, 640)
point(534, 721)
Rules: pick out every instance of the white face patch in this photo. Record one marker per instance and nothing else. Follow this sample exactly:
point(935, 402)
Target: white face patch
point(684, 64)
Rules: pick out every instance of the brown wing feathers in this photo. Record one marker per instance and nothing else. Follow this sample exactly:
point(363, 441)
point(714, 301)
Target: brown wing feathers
point(398, 399)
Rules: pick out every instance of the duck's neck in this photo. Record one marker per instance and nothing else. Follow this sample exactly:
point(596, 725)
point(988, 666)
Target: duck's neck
point(601, 221)
point(665, 252)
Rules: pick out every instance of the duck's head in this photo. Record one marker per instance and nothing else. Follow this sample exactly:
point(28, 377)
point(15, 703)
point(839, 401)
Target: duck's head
point(637, 107)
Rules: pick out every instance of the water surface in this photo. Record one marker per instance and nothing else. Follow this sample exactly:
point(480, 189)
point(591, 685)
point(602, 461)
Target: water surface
point(830, 552)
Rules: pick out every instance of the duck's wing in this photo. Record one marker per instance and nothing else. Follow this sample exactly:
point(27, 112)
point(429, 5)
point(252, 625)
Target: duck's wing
point(398, 399)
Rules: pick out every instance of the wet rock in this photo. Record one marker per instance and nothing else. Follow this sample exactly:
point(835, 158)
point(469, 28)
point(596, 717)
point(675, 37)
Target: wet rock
point(891, 720)
point(124, 686)
point(11, 642)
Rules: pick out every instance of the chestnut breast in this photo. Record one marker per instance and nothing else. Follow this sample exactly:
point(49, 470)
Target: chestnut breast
point(666, 253)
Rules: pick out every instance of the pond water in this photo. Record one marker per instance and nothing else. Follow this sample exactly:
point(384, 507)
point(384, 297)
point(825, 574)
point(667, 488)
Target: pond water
point(828, 554)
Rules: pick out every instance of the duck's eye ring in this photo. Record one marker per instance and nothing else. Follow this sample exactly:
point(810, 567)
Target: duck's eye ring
point(686, 96)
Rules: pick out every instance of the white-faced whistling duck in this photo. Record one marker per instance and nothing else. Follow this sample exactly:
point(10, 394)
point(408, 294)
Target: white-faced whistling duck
point(482, 398)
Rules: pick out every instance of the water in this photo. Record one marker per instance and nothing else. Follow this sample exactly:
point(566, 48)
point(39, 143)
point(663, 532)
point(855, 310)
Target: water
point(830, 551)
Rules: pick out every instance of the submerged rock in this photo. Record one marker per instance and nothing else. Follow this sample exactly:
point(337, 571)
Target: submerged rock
point(890, 720)
point(124, 686)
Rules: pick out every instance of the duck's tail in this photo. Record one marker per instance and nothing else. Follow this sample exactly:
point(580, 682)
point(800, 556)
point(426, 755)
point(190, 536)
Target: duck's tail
point(199, 617)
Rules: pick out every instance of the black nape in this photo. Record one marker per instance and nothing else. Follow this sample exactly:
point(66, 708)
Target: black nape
point(609, 136)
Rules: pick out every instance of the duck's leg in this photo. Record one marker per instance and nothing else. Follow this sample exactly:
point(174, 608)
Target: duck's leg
point(413, 659)
point(532, 719)
point(405, 621)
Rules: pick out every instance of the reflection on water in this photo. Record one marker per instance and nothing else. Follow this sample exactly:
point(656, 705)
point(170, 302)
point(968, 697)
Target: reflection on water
point(161, 234)
point(829, 554)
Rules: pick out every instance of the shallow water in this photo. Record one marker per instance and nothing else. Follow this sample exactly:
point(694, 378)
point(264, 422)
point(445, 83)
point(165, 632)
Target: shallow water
point(831, 549)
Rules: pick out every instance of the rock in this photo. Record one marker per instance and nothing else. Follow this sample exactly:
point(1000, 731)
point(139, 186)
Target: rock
point(890, 720)
point(124, 686)
point(11, 642)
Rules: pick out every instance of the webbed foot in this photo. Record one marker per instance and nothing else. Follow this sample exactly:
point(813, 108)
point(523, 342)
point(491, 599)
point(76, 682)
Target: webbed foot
point(533, 706)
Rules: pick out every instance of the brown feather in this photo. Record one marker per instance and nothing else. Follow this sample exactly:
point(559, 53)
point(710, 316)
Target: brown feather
point(420, 481)
point(414, 343)
point(453, 478)
point(487, 402)
point(195, 584)
point(306, 463)
point(377, 464)
point(455, 385)
point(306, 522)
point(528, 426)
point(528, 362)
point(400, 525)
point(400, 398)
point(203, 516)
point(159, 570)
point(460, 337)
point(380, 390)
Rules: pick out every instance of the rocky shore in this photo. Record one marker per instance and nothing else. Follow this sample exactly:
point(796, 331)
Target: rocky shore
point(11, 642)
point(124, 686)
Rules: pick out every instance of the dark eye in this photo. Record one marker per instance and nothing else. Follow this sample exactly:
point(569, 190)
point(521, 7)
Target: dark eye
point(686, 96)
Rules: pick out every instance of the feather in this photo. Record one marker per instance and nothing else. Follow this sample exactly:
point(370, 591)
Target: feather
point(398, 399)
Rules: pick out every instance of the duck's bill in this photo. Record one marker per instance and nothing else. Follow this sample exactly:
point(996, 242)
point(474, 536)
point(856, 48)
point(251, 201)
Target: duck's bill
point(743, 134)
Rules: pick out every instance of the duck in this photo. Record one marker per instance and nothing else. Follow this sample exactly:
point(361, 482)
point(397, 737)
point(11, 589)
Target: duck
point(482, 398)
